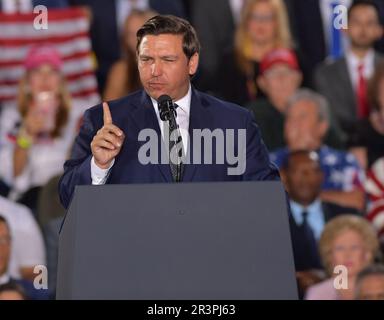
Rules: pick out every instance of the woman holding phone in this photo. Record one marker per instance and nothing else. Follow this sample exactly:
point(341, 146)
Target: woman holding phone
point(42, 130)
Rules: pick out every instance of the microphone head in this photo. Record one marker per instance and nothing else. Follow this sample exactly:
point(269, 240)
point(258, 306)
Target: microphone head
point(165, 105)
point(164, 98)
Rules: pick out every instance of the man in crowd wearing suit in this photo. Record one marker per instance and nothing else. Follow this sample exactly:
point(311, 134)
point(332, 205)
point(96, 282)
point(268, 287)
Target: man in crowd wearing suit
point(314, 19)
point(303, 180)
point(107, 147)
point(344, 81)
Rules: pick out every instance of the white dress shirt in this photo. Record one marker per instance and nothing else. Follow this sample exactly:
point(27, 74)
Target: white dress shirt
point(315, 216)
point(353, 63)
point(99, 176)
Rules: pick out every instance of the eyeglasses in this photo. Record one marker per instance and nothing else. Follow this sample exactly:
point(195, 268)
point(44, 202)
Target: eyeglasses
point(352, 248)
point(261, 17)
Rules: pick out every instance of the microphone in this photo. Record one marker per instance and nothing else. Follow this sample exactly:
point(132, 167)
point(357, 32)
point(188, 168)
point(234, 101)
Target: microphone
point(167, 112)
point(166, 107)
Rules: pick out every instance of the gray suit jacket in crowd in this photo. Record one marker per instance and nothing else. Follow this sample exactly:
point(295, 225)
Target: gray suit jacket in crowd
point(334, 82)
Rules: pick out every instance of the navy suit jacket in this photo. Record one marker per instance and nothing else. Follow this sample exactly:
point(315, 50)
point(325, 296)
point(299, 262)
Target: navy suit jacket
point(134, 113)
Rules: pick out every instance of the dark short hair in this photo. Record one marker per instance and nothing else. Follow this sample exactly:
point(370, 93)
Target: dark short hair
point(313, 155)
point(369, 3)
point(372, 270)
point(13, 286)
point(168, 24)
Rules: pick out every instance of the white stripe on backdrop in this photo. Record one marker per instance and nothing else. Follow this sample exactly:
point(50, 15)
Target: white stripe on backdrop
point(68, 32)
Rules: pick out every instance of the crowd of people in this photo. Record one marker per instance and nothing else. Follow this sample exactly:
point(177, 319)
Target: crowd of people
point(317, 95)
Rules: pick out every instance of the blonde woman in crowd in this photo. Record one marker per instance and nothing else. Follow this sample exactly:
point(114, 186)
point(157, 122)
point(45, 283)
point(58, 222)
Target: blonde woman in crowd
point(41, 130)
point(348, 241)
point(263, 27)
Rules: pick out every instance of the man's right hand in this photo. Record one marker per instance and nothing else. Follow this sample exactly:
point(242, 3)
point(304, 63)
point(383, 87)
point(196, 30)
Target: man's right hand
point(107, 143)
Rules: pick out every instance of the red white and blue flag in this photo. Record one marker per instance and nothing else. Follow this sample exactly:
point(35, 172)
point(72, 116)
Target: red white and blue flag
point(68, 31)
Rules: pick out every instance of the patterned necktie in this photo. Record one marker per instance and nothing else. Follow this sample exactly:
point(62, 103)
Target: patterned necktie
point(176, 150)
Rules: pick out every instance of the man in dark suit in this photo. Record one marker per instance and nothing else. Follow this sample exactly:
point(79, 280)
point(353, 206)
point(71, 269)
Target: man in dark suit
point(108, 147)
point(344, 81)
point(311, 20)
point(303, 177)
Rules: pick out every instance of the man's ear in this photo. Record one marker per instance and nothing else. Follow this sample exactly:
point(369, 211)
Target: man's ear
point(193, 64)
point(299, 79)
point(260, 80)
point(323, 128)
point(380, 32)
point(368, 257)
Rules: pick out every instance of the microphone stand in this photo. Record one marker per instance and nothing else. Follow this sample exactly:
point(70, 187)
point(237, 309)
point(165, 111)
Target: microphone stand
point(168, 113)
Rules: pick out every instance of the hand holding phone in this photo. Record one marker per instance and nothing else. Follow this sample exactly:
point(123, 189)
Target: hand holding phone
point(46, 108)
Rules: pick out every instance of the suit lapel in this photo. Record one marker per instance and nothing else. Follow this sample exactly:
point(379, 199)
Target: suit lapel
point(199, 118)
point(144, 117)
point(326, 212)
point(343, 74)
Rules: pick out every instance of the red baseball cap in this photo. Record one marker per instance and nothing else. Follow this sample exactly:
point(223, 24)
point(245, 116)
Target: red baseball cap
point(41, 54)
point(285, 56)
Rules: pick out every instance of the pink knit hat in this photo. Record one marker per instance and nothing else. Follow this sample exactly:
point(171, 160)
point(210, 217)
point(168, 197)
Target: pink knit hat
point(38, 55)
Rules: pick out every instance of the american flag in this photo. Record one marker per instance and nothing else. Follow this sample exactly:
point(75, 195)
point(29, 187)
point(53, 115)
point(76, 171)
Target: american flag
point(374, 187)
point(68, 30)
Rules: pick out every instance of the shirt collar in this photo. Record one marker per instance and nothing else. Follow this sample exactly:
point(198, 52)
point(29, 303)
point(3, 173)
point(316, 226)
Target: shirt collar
point(184, 104)
point(354, 61)
point(297, 209)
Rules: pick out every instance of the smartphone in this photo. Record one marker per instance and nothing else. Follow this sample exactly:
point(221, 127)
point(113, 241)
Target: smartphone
point(46, 106)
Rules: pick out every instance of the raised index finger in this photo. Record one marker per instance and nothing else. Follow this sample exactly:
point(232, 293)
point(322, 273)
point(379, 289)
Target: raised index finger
point(106, 114)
